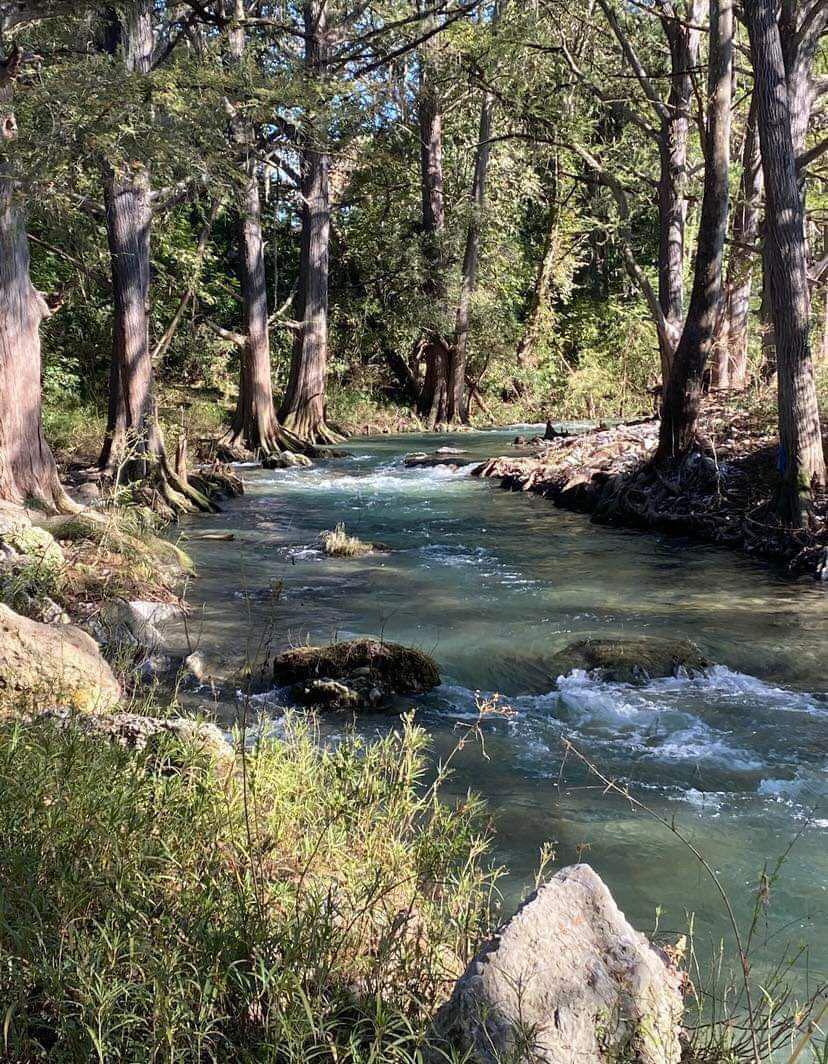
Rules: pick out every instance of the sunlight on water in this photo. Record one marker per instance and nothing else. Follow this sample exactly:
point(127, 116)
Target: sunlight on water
point(493, 584)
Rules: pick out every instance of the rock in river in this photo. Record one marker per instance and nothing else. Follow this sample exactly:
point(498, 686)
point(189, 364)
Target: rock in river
point(566, 979)
point(633, 660)
point(355, 673)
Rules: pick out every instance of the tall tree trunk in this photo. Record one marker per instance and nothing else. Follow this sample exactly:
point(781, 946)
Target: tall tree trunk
point(683, 42)
point(434, 348)
point(458, 405)
point(729, 369)
point(254, 426)
point(133, 448)
point(303, 409)
point(801, 459)
point(683, 393)
point(27, 467)
point(800, 29)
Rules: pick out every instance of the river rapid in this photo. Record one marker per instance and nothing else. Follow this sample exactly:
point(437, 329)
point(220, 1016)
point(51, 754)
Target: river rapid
point(492, 584)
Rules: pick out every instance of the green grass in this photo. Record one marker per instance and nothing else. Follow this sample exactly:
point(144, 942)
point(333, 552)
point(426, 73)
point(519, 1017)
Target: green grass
point(314, 908)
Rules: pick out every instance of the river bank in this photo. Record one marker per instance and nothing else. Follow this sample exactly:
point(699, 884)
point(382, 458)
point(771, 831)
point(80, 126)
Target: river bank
point(724, 497)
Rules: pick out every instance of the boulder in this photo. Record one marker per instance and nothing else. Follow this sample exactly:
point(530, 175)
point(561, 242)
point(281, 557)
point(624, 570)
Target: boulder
point(285, 460)
point(566, 979)
point(137, 621)
point(633, 660)
point(41, 662)
point(35, 543)
point(358, 672)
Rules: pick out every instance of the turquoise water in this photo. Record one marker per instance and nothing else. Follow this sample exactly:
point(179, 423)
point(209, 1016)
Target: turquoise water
point(492, 584)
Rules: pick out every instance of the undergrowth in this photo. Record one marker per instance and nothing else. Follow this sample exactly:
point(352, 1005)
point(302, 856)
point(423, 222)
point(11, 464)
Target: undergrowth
point(314, 908)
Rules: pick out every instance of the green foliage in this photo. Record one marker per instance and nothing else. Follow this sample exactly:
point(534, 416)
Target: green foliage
point(315, 913)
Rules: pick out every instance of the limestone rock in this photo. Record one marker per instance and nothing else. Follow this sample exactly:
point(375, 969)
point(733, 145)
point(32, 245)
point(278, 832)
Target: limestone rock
point(36, 543)
point(285, 460)
point(630, 660)
point(137, 621)
point(566, 979)
point(136, 732)
point(41, 662)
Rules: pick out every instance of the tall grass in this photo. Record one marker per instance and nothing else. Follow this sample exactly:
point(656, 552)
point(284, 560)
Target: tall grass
point(313, 907)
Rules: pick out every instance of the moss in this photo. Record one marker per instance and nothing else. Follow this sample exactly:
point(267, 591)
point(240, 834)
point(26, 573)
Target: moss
point(37, 543)
point(630, 660)
point(394, 667)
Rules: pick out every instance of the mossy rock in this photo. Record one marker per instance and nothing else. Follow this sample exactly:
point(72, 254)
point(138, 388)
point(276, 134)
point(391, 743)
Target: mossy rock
point(393, 668)
point(633, 660)
point(106, 532)
point(36, 543)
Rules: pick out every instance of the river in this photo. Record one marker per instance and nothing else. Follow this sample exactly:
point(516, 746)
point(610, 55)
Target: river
point(492, 584)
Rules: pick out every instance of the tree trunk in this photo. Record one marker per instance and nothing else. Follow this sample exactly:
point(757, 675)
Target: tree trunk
point(729, 370)
point(27, 467)
point(801, 459)
point(434, 348)
point(133, 448)
point(254, 426)
point(457, 404)
point(683, 393)
point(683, 42)
point(303, 409)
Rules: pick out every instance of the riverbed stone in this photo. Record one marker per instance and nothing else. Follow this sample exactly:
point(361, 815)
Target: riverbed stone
point(361, 672)
point(631, 660)
point(285, 460)
point(45, 662)
point(566, 979)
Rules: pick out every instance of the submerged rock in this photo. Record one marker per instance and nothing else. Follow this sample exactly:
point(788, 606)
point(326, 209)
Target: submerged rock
point(356, 673)
point(44, 662)
point(453, 459)
point(566, 979)
point(633, 660)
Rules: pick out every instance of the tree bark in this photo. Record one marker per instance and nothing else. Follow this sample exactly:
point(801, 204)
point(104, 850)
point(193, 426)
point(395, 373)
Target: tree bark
point(303, 409)
point(682, 397)
point(683, 42)
point(27, 467)
point(433, 348)
point(458, 409)
point(133, 448)
point(801, 459)
point(254, 426)
point(729, 369)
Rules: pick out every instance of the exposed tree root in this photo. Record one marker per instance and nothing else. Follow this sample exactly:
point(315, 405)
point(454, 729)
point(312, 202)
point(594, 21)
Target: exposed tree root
point(301, 425)
point(726, 494)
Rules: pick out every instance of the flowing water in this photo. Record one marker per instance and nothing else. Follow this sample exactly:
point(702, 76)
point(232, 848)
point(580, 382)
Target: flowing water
point(492, 584)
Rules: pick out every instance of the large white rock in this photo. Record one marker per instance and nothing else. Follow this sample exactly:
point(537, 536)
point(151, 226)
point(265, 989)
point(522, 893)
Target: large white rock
point(567, 981)
point(46, 663)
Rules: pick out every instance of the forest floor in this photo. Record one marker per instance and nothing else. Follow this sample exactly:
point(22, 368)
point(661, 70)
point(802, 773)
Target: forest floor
point(724, 496)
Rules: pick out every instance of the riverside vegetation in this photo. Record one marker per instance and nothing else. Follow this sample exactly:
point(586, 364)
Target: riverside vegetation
point(234, 233)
